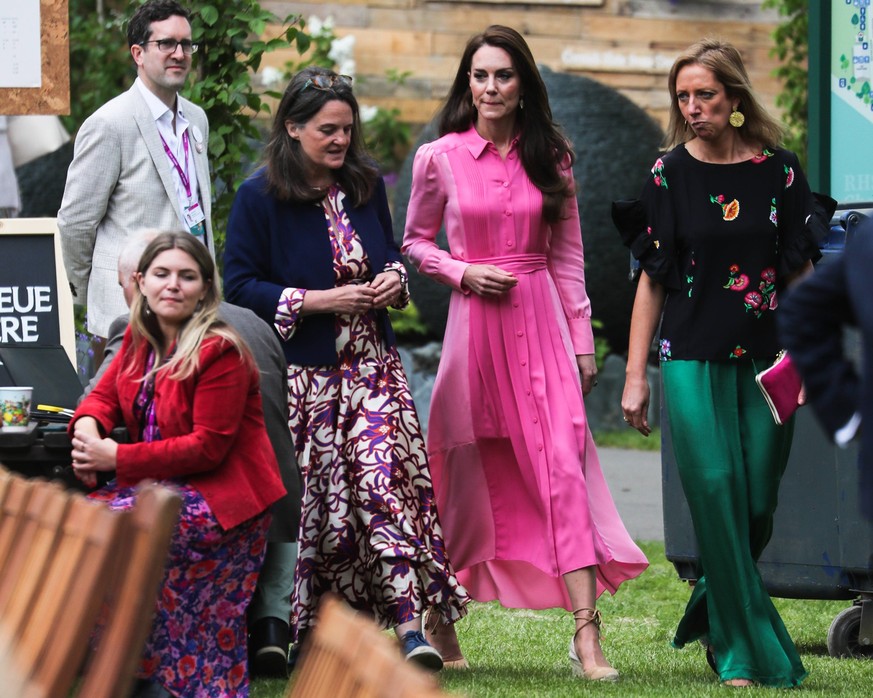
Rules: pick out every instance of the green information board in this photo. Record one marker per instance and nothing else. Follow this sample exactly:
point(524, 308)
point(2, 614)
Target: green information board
point(851, 101)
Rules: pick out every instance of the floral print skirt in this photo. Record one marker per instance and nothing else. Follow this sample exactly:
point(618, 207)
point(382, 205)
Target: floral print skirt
point(369, 530)
point(197, 647)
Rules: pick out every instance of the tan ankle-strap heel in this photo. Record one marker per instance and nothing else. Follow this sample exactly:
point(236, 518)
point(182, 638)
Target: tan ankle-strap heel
point(593, 616)
point(587, 616)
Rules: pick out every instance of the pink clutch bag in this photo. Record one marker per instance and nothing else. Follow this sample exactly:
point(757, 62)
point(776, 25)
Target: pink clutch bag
point(780, 385)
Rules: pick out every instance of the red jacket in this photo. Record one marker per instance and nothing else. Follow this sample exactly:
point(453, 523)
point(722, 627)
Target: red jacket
point(211, 424)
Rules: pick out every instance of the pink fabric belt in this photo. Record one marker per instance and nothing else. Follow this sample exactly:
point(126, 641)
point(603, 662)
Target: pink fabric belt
point(515, 263)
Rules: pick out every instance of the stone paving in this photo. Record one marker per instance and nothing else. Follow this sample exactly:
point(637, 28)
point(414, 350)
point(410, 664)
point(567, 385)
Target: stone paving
point(634, 478)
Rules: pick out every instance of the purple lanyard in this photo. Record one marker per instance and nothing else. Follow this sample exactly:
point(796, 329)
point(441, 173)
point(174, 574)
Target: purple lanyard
point(183, 174)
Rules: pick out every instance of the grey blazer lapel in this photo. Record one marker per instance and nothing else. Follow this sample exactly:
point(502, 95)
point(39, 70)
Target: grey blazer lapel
point(146, 124)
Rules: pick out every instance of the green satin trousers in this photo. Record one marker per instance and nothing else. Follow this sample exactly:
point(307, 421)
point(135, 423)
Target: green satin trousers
point(730, 456)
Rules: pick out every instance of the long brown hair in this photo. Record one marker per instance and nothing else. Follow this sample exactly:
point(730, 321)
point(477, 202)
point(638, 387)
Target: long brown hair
point(726, 64)
point(284, 157)
point(542, 144)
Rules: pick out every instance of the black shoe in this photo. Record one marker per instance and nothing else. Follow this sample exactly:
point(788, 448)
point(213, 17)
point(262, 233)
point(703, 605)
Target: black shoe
point(710, 659)
point(268, 648)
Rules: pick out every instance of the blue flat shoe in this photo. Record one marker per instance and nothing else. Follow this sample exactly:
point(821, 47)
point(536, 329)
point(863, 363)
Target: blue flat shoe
point(417, 650)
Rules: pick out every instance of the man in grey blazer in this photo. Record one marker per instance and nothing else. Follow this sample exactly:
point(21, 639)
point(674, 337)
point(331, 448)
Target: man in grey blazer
point(139, 160)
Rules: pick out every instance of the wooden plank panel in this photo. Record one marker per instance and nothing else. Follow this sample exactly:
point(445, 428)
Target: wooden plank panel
point(392, 44)
point(643, 31)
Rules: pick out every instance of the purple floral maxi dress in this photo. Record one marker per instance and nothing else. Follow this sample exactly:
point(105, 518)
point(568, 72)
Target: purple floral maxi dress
point(369, 529)
point(197, 646)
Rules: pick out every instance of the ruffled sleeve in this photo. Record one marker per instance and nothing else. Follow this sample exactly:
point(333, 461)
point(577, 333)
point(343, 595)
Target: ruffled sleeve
point(804, 241)
point(647, 227)
point(804, 221)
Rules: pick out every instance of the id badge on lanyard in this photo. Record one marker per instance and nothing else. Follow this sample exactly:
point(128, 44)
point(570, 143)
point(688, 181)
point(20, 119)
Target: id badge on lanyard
point(194, 216)
point(194, 219)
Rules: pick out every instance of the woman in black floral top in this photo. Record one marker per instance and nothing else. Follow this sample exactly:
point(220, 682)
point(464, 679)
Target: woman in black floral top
point(725, 220)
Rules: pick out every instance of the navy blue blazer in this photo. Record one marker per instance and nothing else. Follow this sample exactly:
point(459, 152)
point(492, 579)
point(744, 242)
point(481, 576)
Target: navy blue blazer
point(272, 245)
point(811, 319)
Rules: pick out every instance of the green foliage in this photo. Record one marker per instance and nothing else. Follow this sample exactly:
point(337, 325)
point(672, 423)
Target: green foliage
point(317, 48)
point(629, 439)
point(387, 138)
point(601, 344)
point(792, 49)
point(407, 323)
point(231, 49)
point(100, 62)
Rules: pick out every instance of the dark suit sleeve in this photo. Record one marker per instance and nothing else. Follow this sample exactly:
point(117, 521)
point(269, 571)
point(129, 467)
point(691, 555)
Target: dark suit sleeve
point(113, 346)
point(274, 397)
point(811, 318)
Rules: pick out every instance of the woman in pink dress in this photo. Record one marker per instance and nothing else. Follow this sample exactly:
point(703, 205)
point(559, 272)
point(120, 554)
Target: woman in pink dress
point(527, 515)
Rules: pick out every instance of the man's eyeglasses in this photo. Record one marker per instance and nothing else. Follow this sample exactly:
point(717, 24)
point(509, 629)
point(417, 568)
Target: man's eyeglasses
point(327, 82)
point(169, 45)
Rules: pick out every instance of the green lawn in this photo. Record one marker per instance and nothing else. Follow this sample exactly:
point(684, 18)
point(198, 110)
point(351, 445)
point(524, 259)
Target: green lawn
point(523, 653)
point(629, 438)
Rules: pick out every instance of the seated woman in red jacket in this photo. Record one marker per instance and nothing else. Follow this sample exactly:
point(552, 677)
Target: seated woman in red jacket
point(186, 387)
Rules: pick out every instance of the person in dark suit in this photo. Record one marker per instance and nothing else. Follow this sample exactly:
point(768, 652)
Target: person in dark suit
point(814, 315)
point(270, 611)
point(311, 250)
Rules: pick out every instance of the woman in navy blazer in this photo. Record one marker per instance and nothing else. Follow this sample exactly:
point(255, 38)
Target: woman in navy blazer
point(310, 249)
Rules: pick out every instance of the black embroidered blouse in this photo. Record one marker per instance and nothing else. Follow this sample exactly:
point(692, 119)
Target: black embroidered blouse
point(721, 239)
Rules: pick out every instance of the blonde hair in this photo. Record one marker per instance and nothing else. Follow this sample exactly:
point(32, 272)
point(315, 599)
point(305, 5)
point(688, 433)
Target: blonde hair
point(203, 323)
point(726, 64)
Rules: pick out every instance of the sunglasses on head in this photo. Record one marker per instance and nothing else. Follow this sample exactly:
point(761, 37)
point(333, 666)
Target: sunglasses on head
point(327, 82)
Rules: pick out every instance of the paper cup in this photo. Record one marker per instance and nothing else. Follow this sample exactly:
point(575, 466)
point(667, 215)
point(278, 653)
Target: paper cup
point(15, 407)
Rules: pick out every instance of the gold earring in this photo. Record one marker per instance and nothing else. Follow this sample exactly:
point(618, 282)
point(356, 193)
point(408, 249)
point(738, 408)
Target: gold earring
point(737, 118)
